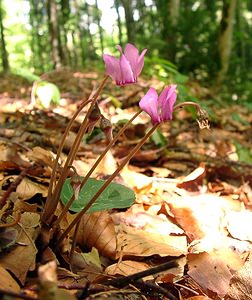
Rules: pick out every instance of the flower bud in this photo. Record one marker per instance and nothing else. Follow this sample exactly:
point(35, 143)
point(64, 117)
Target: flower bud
point(75, 182)
point(94, 118)
point(106, 127)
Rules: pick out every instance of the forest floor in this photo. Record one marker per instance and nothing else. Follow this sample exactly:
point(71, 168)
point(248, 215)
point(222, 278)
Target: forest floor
point(193, 199)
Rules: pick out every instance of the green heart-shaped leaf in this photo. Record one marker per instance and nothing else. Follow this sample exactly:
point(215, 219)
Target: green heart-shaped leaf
point(114, 196)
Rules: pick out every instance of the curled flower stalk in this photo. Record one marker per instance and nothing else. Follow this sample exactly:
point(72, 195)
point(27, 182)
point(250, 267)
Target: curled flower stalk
point(202, 119)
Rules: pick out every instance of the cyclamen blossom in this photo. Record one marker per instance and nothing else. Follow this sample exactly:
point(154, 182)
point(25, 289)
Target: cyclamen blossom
point(159, 108)
point(126, 69)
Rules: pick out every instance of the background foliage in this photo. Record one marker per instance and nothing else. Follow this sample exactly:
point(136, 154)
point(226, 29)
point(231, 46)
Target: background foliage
point(40, 35)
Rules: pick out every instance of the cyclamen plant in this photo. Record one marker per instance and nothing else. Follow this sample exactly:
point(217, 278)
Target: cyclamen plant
point(160, 109)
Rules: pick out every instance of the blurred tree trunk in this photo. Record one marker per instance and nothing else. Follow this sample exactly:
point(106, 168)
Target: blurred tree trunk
point(98, 17)
point(64, 17)
point(4, 54)
point(75, 53)
point(168, 13)
point(119, 22)
point(33, 34)
point(211, 6)
point(90, 45)
point(241, 51)
point(36, 38)
point(174, 11)
point(80, 33)
point(130, 25)
point(225, 37)
point(53, 25)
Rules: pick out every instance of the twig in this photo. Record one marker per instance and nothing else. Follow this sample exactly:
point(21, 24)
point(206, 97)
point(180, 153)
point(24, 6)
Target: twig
point(13, 223)
point(14, 185)
point(186, 288)
point(8, 141)
point(121, 282)
point(159, 289)
point(27, 235)
point(16, 295)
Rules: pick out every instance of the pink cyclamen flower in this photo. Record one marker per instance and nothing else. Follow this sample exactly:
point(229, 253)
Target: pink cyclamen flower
point(126, 69)
point(159, 108)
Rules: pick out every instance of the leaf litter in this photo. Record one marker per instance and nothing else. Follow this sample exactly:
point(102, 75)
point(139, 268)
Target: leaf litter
point(193, 201)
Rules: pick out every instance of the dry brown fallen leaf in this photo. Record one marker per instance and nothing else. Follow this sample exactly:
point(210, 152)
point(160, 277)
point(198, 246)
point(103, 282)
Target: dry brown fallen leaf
point(10, 154)
point(199, 298)
point(92, 258)
point(241, 283)
point(192, 181)
point(218, 241)
point(213, 271)
point(42, 156)
point(172, 274)
point(48, 289)
point(127, 267)
point(108, 164)
point(136, 242)
point(97, 230)
point(203, 214)
point(239, 224)
point(22, 257)
point(84, 270)
point(7, 282)
point(146, 221)
point(137, 181)
point(28, 188)
point(23, 206)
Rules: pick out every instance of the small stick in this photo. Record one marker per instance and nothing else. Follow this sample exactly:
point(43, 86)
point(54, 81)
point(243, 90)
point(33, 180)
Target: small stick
point(159, 289)
point(121, 282)
point(16, 295)
point(13, 223)
point(14, 185)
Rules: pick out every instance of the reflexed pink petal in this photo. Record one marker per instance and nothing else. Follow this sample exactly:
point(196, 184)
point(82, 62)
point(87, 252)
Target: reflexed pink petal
point(166, 102)
point(149, 104)
point(112, 67)
point(118, 47)
point(132, 54)
point(140, 62)
point(126, 71)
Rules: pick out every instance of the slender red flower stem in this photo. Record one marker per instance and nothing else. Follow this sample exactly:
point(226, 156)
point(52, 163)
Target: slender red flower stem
point(74, 240)
point(104, 186)
point(54, 199)
point(85, 179)
point(61, 145)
